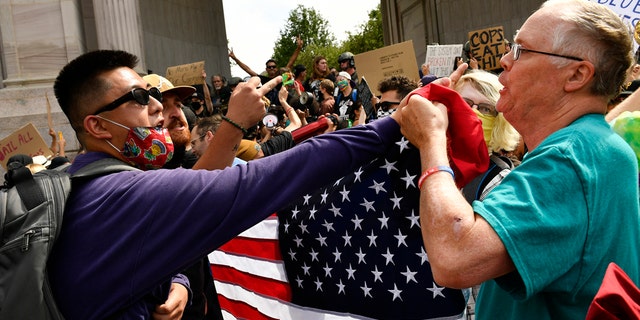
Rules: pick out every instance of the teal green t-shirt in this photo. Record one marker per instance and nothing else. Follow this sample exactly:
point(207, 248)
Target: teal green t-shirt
point(569, 209)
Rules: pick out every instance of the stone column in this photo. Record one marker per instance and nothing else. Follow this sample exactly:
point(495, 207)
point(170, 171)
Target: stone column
point(38, 39)
point(118, 27)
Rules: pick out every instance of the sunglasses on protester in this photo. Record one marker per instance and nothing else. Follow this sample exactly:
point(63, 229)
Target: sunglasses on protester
point(385, 105)
point(140, 95)
point(271, 67)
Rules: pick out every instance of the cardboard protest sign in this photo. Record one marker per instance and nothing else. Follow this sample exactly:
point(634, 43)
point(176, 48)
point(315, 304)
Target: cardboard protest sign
point(185, 74)
point(26, 140)
point(441, 58)
point(487, 46)
point(397, 59)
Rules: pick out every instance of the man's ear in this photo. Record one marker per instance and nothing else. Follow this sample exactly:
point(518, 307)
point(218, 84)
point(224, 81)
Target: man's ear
point(209, 136)
point(635, 70)
point(95, 128)
point(581, 76)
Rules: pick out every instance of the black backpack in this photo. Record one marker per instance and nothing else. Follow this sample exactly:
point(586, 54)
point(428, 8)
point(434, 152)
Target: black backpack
point(31, 210)
point(479, 187)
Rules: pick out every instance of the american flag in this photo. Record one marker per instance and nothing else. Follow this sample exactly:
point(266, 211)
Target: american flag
point(356, 245)
point(251, 282)
point(353, 249)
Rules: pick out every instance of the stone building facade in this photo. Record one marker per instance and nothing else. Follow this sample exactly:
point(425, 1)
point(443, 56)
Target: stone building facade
point(38, 37)
point(443, 22)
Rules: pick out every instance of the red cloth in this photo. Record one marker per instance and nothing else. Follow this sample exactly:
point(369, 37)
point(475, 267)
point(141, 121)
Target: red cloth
point(467, 150)
point(618, 297)
point(310, 130)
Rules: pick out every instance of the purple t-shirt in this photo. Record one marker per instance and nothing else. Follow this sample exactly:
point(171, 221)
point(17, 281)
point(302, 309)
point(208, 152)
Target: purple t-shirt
point(124, 235)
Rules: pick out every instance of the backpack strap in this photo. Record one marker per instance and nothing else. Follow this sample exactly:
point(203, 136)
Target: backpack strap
point(498, 168)
point(62, 167)
point(102, 167)
point(354, 96)
point(502, 162)
point(502, 167)
point(470, 190)
point(29, 191)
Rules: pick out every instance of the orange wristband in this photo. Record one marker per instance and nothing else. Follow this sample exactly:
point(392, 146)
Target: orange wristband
point(433, 170)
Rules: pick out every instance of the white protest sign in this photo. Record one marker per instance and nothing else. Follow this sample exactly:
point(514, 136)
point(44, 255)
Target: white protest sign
point(440, 58)
point(628, 10)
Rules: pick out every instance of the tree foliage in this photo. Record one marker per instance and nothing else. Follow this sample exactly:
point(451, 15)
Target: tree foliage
point(369, 37)
point(330, 53)
point(309, 25)
point(318, 40)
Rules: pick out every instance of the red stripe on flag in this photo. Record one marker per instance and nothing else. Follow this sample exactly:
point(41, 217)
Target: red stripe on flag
point(261, 285)
point(241, 310)
point(259, 248)
point(252, 285)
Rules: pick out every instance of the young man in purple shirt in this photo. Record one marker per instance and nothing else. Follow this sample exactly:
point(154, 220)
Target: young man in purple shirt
point(126, 234)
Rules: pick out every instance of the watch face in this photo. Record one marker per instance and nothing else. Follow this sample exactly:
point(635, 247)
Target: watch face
point(270, 120)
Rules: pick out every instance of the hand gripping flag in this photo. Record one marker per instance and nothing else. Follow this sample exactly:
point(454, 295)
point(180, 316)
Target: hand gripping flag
point(467, 150)
point(356, 246)
point(250, 275)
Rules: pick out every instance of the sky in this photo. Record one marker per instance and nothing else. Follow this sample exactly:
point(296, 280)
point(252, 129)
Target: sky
point(254, 26)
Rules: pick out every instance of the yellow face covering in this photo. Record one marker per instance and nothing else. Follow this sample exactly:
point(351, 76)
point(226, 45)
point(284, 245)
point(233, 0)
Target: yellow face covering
point(487, 125)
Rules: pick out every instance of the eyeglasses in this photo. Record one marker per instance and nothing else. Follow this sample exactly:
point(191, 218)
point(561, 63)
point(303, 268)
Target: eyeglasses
point(484, 108)
point(385, 105)
point(271, 67)
point(193, 142)
point(517, 49)
point(140, 95)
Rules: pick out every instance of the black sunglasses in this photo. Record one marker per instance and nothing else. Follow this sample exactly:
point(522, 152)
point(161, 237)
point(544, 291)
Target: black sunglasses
point(140, 95)
point(271, 67)
point(385, 105)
